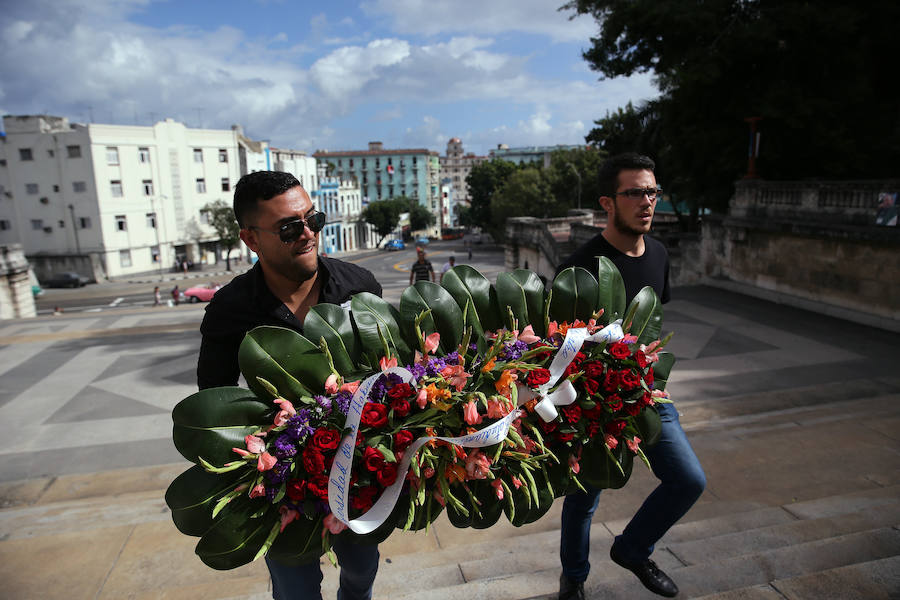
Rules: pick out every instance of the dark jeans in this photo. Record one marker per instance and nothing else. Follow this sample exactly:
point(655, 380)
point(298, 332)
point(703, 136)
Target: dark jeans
point(358, 564)
point(681, 482)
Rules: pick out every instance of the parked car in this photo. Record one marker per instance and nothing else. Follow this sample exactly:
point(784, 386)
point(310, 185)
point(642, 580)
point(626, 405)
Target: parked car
point(422, 241)
point(395, 245)
point(201, 293)
point(67, 279)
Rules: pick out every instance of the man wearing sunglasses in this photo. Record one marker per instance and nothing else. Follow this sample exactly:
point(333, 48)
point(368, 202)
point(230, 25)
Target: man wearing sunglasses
point(279, 223)
point(629, 195)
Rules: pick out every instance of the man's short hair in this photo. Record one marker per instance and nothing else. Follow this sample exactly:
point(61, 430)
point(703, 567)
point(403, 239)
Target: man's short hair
point(261, 185)
point(608, 174)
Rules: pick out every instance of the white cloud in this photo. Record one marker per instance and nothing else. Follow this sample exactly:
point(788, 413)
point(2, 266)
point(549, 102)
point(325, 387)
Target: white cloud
point(346, 71)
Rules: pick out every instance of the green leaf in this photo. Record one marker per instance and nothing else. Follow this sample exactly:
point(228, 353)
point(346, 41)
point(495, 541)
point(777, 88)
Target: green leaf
point(649, 426)
point(284, 358)
point(333, 323)
point(575, 295)
point(463, 282)
point(373, 314)
point(234, 540)
point(300, 542)
point(193, 494)
point(446, 317)
point(599, 471)
point(523, 292)
point(213, 421)
point(661, 370)
point(648, 315)
point(612, 291)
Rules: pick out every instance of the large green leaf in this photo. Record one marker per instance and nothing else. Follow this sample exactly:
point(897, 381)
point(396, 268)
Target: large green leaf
point(648, 315)
point(333, 323)
point(373, 315)
point(234, 539)
point(300, 542)
point(463, 282)
point(575, 295)
point(446, 318)
point(598, 469)
point(649, 426)
point(284, 358)
point(661, 370)
point(612, 291)
point(523, 292)
point(213, 421)
point(192, 496)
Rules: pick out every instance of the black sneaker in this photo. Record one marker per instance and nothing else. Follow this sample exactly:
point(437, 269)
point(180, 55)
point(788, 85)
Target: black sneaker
point(570, 590)
point(653, 579)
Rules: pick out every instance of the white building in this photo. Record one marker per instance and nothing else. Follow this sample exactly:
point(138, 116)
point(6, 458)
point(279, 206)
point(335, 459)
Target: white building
point(456, 166)
point(116, 199)
point(341, 201)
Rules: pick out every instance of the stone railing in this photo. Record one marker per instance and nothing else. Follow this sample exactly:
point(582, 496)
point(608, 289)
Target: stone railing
point(16, 297)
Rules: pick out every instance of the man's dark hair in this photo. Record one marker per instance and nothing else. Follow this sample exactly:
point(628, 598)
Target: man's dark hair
point(261, 185)
point(609, 171)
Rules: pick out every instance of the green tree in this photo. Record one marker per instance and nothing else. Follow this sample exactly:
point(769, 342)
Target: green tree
point(419, 217)
point(815, 72)
point(572, 176)
point(526, 193)
point(221, 217)
point(484, 180)
point(384, 216)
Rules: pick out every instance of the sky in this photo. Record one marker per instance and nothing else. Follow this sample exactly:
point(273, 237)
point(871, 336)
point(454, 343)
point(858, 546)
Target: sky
point(315, 75)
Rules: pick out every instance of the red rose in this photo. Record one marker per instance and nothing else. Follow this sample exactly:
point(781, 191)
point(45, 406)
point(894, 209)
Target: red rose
point(593, 414)
point(592, 428)
point(578, 358)
point(540, 357)
point(572, 412)
point(537, 377)
point(619, 350)
point(591, 386)
point(373, 458)
point(614, 428)
point(593, 369)
point(546, 426)
point(387, 475)
point(646, 399)
point(401, 390)
point(614, 402)
point(374, 415)
point(400, 406)
point(565, 437)
point(318, 486)
point(313, 460)
point(326, 438)
point(649, 377)
point(296, 489)
point(364, 498)
point(611, 381)
point(629, 380)
point(633, 408)
point(641, 359)
point(402, 440)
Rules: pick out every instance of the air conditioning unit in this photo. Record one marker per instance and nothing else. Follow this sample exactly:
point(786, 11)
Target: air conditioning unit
point(48, 229)
point(45, 200)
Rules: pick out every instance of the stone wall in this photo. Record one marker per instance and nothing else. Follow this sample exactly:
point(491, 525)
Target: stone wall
point(16, 297)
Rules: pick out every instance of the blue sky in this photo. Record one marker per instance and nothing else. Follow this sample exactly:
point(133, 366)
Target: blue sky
point(314, 75)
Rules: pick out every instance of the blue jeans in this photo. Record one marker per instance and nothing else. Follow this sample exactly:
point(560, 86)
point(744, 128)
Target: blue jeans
point(681, 482)
point(359, 564)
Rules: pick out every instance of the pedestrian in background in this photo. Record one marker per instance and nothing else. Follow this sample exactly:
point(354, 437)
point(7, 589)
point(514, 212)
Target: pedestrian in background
point(421, 269)
point(156, 296)
point(451, 262)
point(176, 294)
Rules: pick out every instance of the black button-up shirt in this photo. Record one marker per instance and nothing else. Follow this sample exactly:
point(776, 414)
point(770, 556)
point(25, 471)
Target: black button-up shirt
point(247, 302)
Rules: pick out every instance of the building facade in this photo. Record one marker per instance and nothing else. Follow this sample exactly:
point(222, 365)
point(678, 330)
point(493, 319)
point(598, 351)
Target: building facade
point(341, 201)
point(529, 154)
point(456, 166)
point(131, 198)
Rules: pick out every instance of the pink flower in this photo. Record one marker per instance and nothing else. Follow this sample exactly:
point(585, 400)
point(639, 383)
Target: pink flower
point(350, 387)
point(629, 339)
point(436, 494)
point(497, 409)
point(428, 472)
point(528, 336)
point(573, 464)
point(386, 364)
point(422, 398)
point(241, 451)
point(287, 515)
point(331, 386)
point(287, 411)
point(333, 524)
point(254, 444)
point(659, 394)
point(517, 483)
point(551, 329)
point(478, 465)
point(431, 342)
point(456, 376)
point(633, 444)
point(266, 461)
point(652, 356)
point(470, 413)
point(497, 485)
point(258, 490)
point(610, 441)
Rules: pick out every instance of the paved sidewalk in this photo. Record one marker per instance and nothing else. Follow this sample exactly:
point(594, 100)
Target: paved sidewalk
point(783, 407)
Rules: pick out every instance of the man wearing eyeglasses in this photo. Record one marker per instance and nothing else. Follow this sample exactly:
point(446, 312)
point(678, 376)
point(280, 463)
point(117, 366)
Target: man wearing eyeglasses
point(629, 195)
point(279, 223)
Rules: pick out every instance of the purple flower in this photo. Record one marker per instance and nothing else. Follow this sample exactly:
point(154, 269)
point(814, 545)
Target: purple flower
point(514, 350)
point(285, 446)
point(417, 370)
point(342, 402)
point(323, 402)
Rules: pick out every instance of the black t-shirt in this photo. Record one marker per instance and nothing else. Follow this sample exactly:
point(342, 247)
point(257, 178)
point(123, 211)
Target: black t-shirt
point(247, 302)
point(651, 268)
point(421, 270)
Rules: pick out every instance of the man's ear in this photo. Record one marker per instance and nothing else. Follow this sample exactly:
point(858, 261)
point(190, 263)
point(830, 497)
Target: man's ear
point(248, 236)
point(608, 204)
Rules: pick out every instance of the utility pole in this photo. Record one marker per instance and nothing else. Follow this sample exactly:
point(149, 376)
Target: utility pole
point(578, 179)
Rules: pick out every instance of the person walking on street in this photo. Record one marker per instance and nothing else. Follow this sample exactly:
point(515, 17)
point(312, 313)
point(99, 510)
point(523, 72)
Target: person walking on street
point(629, 194)
point(421, 269)
point(157, 300)
point(176, 294)
point(451, 262)
point(279, 223)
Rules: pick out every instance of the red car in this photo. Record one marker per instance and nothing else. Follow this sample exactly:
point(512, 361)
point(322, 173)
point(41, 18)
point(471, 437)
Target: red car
point(201, 293)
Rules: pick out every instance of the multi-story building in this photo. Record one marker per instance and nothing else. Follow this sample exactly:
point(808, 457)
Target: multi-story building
point(341, 201)
point(529, 154)
point(383, 174)
point(299, 164)
point(122, 199)
point(456, 166)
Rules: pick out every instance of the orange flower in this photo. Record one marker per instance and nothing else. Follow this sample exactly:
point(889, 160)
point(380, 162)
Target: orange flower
point(436, 397)
point(488, 365)
point(505, 381)
point(455, 473)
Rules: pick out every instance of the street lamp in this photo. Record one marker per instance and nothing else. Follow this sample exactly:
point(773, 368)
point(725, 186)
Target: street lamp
point(578, 179)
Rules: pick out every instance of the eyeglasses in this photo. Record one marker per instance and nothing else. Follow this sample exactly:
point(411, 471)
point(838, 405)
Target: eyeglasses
point(639, 193)
point(291, 231)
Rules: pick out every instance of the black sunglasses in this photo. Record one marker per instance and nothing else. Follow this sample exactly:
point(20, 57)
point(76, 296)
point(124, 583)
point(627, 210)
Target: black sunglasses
point(291, 231)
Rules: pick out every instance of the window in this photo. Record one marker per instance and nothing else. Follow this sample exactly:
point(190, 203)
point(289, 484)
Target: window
point(351, 162)
point(115, 187)
point(121, 223)
point(84, 222)
point(55, 188)
point(377, 163)
point(112, 155)
point(201, 186)
point(198, 155)
point(154, 253)
point(144, 155)
point(31, 188)
point(73, 151)
point(147, 184)
point(204, 216)
point(226, 184)
point(151, 220)
point(37, 224)
point(25, 154)
point(4, 225)
point(61, 223)
point(364, 163)
point(51, 153)
point(125, 258)
point(223, 155)
point(79, 186)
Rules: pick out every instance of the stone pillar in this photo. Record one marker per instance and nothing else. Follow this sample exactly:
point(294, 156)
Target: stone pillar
point(16, 297)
